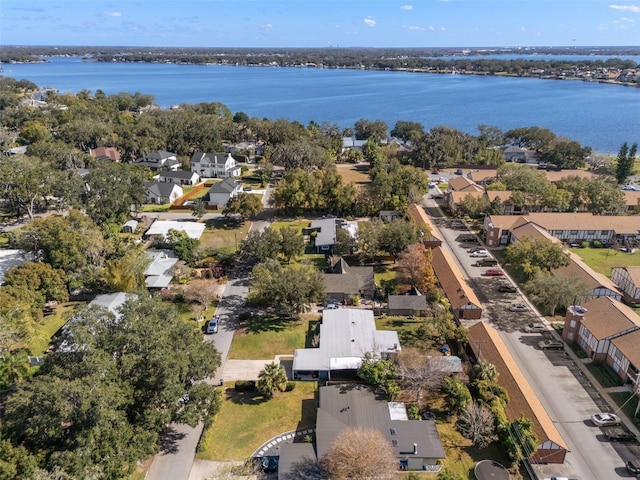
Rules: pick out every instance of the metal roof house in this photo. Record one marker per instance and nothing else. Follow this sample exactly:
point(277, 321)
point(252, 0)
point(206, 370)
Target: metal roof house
point(158, 274)
point(162, 227)
point(415, 443)
point(346, 336)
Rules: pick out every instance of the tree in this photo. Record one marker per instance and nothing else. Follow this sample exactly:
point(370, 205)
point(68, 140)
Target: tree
point(476, 423)
point(258, 246)
point(368, 239)
point(126, 273)
point(554, 290)
point(203, 292)
point(625, 162)
point(381, 374)
point(484, 370)
point(184, 246)
point(14, 367)
point(271, 379)
point(414, 267)
point(407, 131)
point(300, 153)
point(98, 408)
point(365, 129)
point(289, 288)
point(396, 236)
point(519, 439)
point(536, 138)
point(291, 243)
point(530, 255)
point(41, 278)
point(198, 209)
point(418, 373)
point(457, 393)
point(244, 204)
point(565, 154)
point(360, 454)
point(25, 183)
point(345, 243)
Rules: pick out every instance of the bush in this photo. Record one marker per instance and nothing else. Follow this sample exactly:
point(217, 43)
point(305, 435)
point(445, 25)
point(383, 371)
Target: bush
point(596, 244)
point(413, 412)
point(585, 244)
point(290, 386)
point(245, 386)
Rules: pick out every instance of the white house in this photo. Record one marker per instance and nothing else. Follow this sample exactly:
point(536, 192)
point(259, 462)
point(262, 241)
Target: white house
point(179, 177)
point(158, 274)
point(220, 193)
point(628, 279)
point(162, 192)
point(159, 160)
point(162, 227)
point(214, 165)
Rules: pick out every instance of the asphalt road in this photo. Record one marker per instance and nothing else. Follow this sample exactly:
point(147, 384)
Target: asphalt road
point(568, 398)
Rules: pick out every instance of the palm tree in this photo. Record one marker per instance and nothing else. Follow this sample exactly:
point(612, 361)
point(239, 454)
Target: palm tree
point(273, 378)
point(484, 370)
point(14, 367)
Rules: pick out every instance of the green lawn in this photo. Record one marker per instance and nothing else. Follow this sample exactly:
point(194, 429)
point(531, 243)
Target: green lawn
point(246, 420)
point(150, 207)
point(602, 260)
point(264, 336)
point(51, 324)
point(630, 405)
point(220, 232)
point(604, 374)
point(298, 224)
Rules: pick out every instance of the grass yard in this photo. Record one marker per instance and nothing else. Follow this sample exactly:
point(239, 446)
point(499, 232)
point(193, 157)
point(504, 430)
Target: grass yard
point(299, 224)
point(221, 232)
point(51, 324)
point(264, 336)
point(602, 260)
point(358, 174)
point(246, 420)
point(604, 374)
point(630, 402)
point(384, 273)
point(150, 207)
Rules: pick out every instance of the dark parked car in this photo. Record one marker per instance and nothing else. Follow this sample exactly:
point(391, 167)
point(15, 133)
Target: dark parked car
point(459, 171)
point(551, 345)
point(270, 464)
point(506, 288)
point(633, 466)
point(619, 434)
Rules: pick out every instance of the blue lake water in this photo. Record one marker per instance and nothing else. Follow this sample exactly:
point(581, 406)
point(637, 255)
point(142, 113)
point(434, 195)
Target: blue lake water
point(597, 115)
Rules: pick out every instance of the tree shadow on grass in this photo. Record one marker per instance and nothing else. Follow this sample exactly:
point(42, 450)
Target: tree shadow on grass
point(266, 323)
point(224, 223)
point(252, 397)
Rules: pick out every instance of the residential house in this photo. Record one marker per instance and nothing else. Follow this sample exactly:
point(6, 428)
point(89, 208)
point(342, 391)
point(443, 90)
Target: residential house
point(179, 177)
point(350, 143)
point(130, 227)
point(453, 199)
point(486, 344)
point(158, 274)
point(161, 228)
point(160, 193)
point(343, 282)
point(519, 155)
point(215, 165)
point(631, 202)
point(389, 215)
point(428, 233)
point(105, 153)
point(323, 232)
point(221, 192)
point(598, 285)
point(624, 358)
point(346, 336)
point(415, 443)
point(159, 160)
point(412, 303)
point(628, 280)
point(596, 323)
point(483, 177)
point(504, 197)
point(464, 302)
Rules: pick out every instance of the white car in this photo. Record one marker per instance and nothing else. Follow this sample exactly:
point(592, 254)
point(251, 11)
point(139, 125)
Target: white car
point(518, 307)
point(480, 254)
point(605, 419)
point(535, 328)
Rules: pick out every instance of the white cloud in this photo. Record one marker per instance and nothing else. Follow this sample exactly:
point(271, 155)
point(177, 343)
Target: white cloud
point(406, 7)
point(431, 28)
point(628, 8)
point(113, 14)
point(414, 27)
point(370, 22)
point(442, 28)
point(625, 19)
point(522, 29)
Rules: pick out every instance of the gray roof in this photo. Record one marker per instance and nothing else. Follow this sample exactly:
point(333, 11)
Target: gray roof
point(158, 155)
point(162, 227)
point(111, 301)
point(157, 274)
point(228, 185)
point(326, 228)
point(217, 158)
point(351, 405)
point(343, 278)
point(161, 189)
point(448, 365)
point(178, 174)
point(346, 336)
point(404, 302)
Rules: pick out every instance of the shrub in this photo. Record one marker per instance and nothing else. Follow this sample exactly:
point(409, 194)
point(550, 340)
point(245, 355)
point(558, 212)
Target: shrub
point(245, 386)
point(413, 412)
point(596, 244)
point(585, 244)
point(290, 386)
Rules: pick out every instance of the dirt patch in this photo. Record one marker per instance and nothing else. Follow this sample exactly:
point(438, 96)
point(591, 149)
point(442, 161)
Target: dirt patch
point(357, 174)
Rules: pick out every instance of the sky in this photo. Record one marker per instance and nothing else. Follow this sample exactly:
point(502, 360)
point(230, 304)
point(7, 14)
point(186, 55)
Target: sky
point(320, 23)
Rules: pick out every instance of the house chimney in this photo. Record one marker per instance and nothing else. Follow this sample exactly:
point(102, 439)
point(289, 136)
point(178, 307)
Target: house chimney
point(415, 448)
